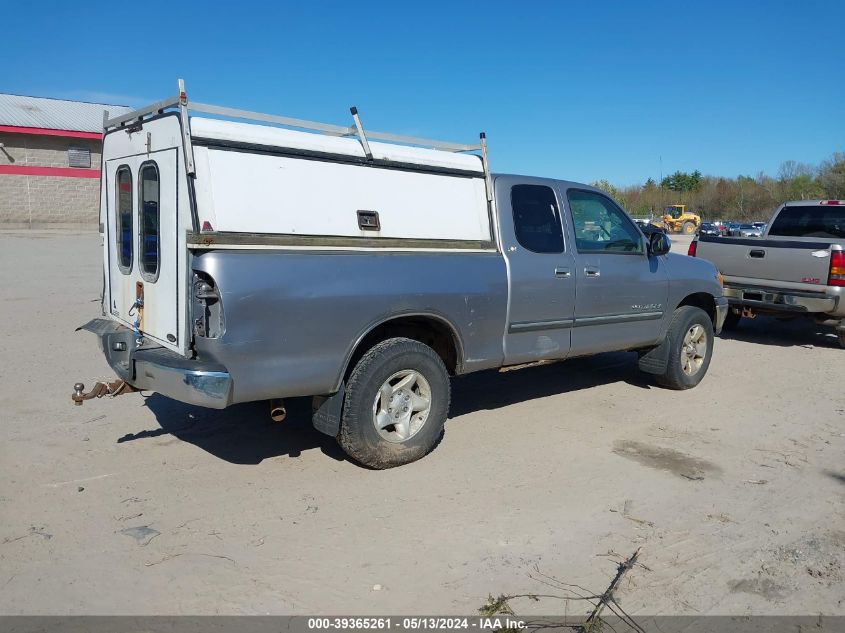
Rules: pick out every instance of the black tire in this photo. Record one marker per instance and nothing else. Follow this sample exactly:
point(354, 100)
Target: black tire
point(841, 334)
point(688, 228)
point(683, 321)
point(731, 320)
point(358, 435)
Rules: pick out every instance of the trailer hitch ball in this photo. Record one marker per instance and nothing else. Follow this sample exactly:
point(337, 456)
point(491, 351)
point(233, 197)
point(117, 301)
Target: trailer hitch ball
point(100, 389)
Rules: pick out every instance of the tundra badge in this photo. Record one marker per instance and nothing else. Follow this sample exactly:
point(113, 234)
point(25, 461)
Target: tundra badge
point(646, 306)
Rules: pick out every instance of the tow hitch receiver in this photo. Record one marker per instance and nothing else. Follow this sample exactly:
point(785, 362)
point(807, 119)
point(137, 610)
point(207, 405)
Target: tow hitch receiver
point(99, 390)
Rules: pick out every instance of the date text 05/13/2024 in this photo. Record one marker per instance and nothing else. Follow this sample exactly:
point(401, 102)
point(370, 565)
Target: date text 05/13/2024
point(414, 623)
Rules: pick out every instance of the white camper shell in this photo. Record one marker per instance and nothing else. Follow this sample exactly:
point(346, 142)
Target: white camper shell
point(174, 182)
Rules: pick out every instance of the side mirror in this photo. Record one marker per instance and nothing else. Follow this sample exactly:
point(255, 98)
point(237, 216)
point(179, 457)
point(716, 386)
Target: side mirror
point(659, 244)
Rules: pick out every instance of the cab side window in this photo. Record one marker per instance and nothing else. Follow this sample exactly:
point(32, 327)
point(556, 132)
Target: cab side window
point(536, 218)
point(601, 226)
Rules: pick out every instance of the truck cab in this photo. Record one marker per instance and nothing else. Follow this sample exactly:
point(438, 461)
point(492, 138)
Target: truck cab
point(558, 236)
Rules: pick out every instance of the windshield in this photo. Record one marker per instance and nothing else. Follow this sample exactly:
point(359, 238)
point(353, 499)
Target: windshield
point(810, 221)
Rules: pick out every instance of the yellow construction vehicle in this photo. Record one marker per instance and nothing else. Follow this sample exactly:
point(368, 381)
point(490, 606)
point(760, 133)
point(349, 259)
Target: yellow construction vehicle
point(676, 219)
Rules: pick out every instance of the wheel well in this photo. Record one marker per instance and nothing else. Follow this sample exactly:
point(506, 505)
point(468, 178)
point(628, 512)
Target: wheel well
point(431, 331)
point(701, 300)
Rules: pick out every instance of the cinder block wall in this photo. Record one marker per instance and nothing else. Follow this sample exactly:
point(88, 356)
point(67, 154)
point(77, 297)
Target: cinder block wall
point(44, 200)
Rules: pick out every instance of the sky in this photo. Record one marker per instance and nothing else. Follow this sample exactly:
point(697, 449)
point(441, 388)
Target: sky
point(583, 91)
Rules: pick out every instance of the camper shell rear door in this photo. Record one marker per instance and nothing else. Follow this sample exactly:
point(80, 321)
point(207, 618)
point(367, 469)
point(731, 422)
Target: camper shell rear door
point(146, 215)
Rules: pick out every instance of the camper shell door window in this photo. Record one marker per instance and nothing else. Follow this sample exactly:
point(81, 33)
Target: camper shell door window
point(123, 218)
point(148, 221)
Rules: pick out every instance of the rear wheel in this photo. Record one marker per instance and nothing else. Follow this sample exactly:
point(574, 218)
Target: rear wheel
point(690, 339)
point(396, 403)
point(688, 228)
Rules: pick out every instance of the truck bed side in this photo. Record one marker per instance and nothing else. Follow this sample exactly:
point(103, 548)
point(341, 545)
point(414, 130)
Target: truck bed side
point(289, 339)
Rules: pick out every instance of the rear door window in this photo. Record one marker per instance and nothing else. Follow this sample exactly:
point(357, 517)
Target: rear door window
point(536, 218)
point(123, 218)
point(810, 221)
point(150, 239)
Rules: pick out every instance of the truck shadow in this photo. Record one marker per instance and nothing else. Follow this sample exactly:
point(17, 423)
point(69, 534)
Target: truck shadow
point(494, 389)
point(241, 434)
point(244, 434)
point(766, 330)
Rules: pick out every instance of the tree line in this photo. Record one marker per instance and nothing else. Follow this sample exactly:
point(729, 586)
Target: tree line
point(748, 198)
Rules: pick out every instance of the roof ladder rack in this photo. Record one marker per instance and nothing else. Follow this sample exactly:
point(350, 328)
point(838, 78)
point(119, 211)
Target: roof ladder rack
point(180, 102)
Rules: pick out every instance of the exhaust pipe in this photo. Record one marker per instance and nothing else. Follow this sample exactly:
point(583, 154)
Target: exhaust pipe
point(278, 412)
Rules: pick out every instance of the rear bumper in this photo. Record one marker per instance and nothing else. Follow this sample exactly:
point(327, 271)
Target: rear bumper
point(205, 384)
point(770, 299)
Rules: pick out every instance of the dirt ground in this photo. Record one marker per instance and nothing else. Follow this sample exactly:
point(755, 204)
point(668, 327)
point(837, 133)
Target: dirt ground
point(735, 491)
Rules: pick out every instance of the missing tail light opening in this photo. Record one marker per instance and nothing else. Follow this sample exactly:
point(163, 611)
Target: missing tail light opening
point(207, 307)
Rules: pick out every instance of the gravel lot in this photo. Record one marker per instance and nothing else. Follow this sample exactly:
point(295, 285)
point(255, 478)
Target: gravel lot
point(735, 490)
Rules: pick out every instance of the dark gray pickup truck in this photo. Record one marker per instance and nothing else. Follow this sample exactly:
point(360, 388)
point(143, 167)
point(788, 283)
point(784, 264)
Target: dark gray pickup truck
point(797, 267)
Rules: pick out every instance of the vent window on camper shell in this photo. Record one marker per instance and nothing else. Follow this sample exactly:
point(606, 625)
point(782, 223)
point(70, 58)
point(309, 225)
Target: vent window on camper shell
point(148, 221)
point(123, 218)
point(536, 218)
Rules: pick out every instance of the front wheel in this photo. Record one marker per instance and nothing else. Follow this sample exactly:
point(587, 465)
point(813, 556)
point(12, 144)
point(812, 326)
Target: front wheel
point(690, 339)
point(396, 403)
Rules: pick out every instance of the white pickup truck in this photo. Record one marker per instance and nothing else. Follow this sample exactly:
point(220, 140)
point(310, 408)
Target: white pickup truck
point(796, 268)
point(249, 262)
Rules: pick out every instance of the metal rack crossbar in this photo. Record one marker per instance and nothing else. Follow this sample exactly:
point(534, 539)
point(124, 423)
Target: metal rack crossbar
point(332, 130)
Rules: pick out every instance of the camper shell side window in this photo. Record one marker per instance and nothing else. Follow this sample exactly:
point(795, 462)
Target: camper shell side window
point(149, 241)
point(123, 218)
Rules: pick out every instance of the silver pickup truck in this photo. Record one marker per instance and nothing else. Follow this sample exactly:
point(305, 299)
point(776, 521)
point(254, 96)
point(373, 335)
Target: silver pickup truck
point(796, 268)
point(249, 262)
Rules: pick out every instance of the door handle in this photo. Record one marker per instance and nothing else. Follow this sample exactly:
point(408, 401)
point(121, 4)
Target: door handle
point(562, 272)
point(757, 253)
point(592, 272)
